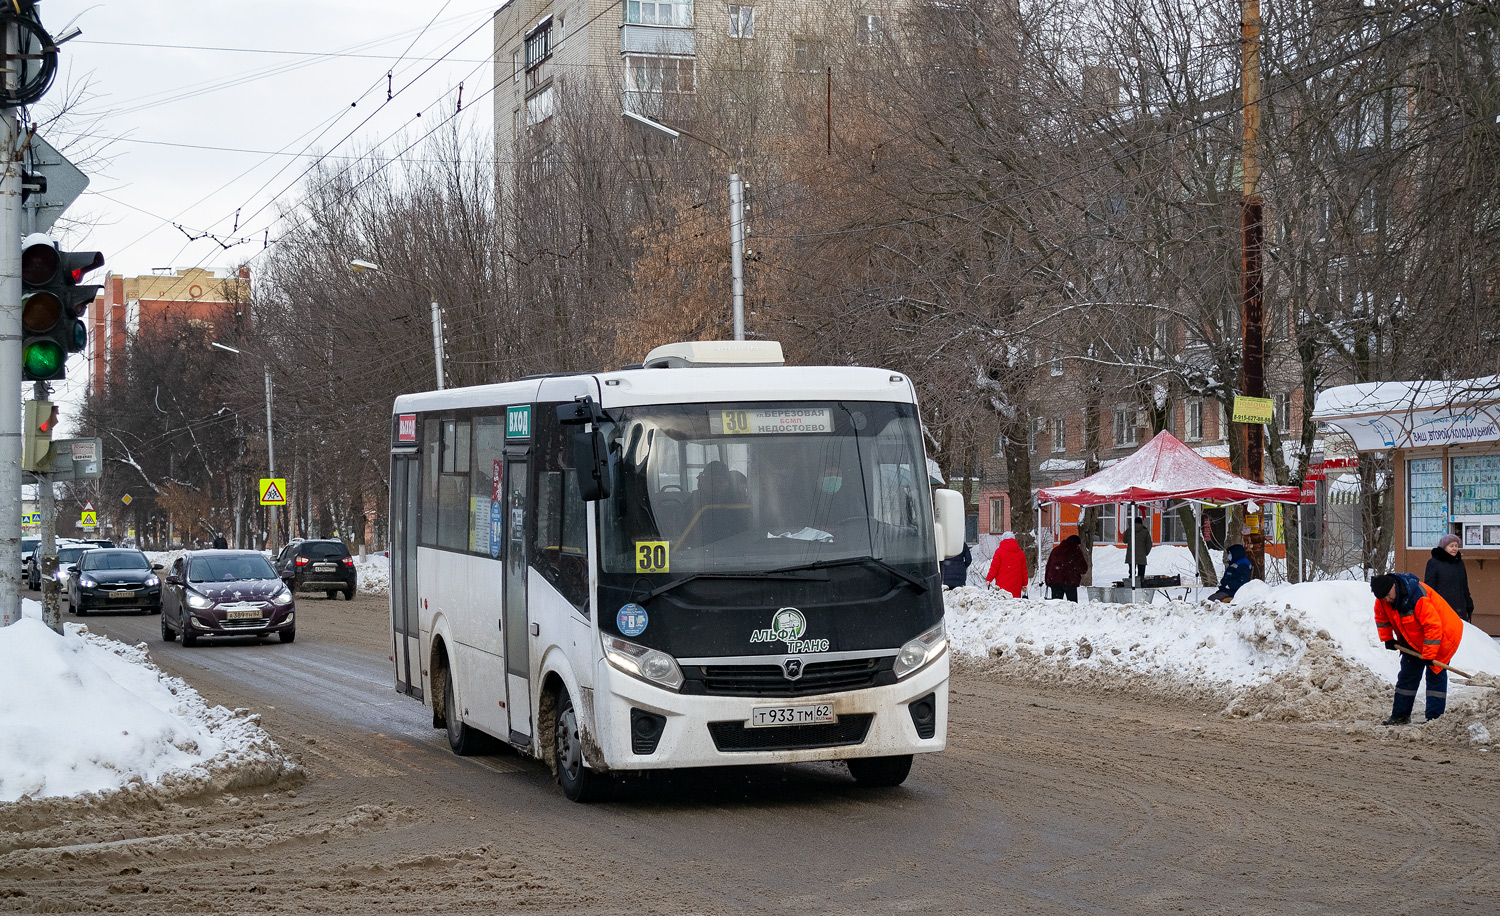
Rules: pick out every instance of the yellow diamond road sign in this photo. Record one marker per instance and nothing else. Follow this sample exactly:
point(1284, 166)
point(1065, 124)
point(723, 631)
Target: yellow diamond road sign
point(126, 499)
point(273, 491)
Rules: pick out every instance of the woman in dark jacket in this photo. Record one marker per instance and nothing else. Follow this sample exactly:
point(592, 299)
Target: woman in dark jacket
point(1065, 568)
point(1447, 576)
point(956, 569)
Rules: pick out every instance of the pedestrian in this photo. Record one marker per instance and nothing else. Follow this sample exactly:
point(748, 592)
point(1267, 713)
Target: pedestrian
point(1412, 616)
point(1448, 577)
point(956, 568)
point(220, 543)
point(1065, 568)
point(1237, 571)
point(1008, 567)
point(1138, 549)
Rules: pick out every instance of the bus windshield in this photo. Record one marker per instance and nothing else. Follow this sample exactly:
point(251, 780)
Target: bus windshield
point(735, 488)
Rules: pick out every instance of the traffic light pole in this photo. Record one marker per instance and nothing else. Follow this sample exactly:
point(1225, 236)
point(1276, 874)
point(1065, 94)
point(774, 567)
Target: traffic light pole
point(10, 360)
point(45, 555)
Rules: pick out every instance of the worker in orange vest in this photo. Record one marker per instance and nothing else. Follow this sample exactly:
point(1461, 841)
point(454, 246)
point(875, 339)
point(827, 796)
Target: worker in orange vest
point(1411, 614)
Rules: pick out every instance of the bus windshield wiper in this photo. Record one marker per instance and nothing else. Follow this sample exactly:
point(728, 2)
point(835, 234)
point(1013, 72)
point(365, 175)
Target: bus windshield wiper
point(773, 574)
point(908, 578)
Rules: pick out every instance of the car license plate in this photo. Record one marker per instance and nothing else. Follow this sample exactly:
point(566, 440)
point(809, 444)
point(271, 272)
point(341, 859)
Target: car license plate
point(241, 615)
point(764, 716)
point(324, 567)
point(121, 594)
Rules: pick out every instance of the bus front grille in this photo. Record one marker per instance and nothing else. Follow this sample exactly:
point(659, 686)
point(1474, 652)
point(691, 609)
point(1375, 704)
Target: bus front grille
point(771, 680)
point(735, 736)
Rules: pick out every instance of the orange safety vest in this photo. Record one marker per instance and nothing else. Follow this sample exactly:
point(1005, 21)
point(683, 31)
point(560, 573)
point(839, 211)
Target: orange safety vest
point(1432, 628)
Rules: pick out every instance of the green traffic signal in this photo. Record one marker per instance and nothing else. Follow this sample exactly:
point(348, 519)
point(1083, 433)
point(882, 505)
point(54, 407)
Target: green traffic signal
point(42, 359)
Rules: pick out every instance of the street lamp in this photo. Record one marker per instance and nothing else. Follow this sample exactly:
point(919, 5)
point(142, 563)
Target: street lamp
point(270, 446)
point(360, 266)
point(736, 213)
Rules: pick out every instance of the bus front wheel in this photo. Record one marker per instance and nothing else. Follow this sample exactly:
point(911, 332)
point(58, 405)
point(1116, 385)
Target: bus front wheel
point(578, 782)
point(463, 739)
point(879, 772)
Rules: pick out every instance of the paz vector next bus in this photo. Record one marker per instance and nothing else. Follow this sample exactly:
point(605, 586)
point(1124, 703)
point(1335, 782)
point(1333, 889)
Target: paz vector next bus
point(711, 560)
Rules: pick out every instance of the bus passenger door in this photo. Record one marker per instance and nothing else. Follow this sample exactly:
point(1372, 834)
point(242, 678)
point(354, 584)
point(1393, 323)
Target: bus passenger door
point(405, 639)
point(517, 639)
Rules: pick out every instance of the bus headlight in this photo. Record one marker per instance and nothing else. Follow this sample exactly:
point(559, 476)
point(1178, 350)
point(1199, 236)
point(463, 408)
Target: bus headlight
point(916, 655)
point(652, 665)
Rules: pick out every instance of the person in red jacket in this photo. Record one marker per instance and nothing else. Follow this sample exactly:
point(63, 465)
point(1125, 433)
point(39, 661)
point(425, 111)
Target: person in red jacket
point(1008, 568)
point(1411, 614)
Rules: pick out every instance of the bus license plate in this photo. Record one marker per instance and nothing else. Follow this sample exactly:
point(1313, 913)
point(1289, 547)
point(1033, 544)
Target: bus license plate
point(242, 615)
point(764, 716)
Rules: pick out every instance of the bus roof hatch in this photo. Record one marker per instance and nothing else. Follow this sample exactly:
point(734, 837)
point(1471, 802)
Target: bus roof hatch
point(709, 353)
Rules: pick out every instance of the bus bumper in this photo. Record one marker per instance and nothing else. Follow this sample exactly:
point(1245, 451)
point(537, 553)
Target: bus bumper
point(711, 730)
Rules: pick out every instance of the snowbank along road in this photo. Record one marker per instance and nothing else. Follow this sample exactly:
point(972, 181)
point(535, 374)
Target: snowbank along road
point(1086, 796)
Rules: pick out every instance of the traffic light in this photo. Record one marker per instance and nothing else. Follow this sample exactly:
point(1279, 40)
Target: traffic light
point(53, 304)
point(36, 435)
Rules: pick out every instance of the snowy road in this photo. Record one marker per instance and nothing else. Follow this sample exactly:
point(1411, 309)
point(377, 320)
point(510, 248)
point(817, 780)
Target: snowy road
point(1049, 800)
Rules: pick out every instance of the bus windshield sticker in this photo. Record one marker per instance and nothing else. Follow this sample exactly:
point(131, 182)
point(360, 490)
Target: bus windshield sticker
point(497, 513)
point(770, 421)
point(631, 620)
point(653, 556)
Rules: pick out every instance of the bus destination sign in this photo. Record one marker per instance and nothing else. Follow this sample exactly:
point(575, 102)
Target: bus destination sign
point(771, 421)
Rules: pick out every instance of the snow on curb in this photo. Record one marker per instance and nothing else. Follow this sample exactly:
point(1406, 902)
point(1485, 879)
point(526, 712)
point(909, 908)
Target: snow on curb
point(1293, 653)
point(85, 715)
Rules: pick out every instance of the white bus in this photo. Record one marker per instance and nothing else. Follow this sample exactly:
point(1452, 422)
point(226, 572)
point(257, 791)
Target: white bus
point(711, 560)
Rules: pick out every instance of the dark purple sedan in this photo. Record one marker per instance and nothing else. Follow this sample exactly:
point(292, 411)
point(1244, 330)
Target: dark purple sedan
point(225, 593)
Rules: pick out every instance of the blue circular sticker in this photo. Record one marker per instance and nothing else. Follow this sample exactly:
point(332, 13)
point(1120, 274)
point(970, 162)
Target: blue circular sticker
point(497, 526)
point(631, 620)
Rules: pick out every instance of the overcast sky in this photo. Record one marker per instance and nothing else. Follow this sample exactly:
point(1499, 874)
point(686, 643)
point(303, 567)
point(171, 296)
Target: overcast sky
point(203, 109)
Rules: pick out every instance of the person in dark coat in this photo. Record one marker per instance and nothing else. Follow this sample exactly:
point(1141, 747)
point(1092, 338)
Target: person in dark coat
point(1237, 571)
point(1136, 552)
point(220, 543)
point(1065, 568)
point(1447, 576)
point(956, 569)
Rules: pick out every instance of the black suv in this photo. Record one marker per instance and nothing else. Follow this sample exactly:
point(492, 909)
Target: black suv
point(318, 566)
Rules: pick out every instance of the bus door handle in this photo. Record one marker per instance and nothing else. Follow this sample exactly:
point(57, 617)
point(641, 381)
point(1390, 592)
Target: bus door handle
point(536, 629)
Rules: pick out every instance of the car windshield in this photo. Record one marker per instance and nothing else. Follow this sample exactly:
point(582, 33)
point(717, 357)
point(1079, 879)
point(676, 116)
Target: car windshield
point(69, 554)
point(323, 551)
point(732, 488)
point(229, 569)
point(114, 559)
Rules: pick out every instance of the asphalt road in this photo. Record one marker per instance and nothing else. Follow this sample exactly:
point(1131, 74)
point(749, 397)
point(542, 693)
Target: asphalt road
point(1047, 801)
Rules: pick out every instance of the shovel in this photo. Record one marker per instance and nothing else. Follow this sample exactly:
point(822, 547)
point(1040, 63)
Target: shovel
point(1483, 680)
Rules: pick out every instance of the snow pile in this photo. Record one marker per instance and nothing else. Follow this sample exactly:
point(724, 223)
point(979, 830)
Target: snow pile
point(1296, 652)
point(84, 713)
point(373, 574)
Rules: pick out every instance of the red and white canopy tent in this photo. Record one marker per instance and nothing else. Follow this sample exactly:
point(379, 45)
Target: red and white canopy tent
point(1166, 469)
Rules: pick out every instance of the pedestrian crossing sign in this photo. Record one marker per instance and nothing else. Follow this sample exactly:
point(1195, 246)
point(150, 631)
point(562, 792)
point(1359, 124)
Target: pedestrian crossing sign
point(89, 520)
point(273, 491)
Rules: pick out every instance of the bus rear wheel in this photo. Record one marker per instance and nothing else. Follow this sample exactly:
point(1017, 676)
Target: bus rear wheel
point(880, 772)
point(578, 782)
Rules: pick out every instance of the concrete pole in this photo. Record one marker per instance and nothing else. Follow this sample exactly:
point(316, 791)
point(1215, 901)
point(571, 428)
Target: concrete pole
point(270, 457)
point(1198, 541)
point(437, 340)
point(45, 554)
point(1130, 557)
point(736, 251)
point(10, 363)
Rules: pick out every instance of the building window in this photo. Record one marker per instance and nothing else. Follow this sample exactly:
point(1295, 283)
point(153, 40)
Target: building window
point(997, 515)
point(1125, 427)
point(867, 29)
point(1283, 411)
point(1426, 505)
point(1038, 428)
point(539, 107)
point(539, 44)
point(654, 73)
point(1172, 529)
point(1193, 425)
point(659, 12)
point(1059, 435)
point(515, 65)
point(741, 21)
point(1104, 524)
point(807, 55)
point(1055, 363)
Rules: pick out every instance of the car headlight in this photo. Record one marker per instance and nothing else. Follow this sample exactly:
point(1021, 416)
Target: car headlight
point(198, 602)
point(282, 598)
point(86, 582)
point(152, 581)
point(919, 652)
point(652, 665)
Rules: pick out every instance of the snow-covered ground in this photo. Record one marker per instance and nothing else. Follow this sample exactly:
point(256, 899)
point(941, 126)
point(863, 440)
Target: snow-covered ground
point(87, 714)
point(1304, 652)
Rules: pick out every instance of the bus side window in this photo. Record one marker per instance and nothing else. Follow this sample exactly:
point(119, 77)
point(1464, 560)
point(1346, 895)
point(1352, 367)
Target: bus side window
point(561, 553)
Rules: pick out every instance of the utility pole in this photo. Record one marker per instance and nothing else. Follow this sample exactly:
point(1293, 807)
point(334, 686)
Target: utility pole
point(737, 250)
point(270, 456)
point(45, 555)
point(437, 340)
point(1252, 283)
point(10, 348)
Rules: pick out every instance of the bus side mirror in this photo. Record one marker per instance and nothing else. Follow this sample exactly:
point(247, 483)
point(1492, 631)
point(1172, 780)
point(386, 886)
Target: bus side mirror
point(948, 522)
point(591, 462)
